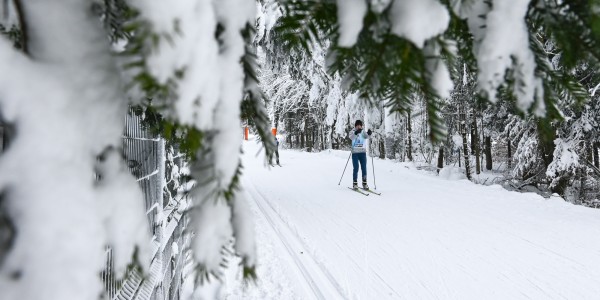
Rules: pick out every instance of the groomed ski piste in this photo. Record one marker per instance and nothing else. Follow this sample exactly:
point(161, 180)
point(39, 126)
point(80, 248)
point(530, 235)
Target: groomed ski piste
point(425, 237)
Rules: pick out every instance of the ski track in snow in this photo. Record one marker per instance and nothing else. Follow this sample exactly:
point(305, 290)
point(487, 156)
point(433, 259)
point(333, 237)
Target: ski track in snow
point(424, 238)
point(322, 284)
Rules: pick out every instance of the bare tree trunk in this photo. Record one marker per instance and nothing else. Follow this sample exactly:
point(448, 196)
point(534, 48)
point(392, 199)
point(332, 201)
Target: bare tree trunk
point(309, 140)
point(331, 135)
point(381, 148)
point(595, 154)
point(463, 131)
point(488, 153)
point(312, 139)
point(466, 153)
point(409, 128)
point(482, 133)
point(322, 138)
point(473, 134)
point(509, 153)
point(440, 162)
point(475, 144)
point(582, 184)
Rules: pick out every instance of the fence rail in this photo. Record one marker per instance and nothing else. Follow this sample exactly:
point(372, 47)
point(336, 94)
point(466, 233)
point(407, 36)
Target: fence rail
point(146, 158)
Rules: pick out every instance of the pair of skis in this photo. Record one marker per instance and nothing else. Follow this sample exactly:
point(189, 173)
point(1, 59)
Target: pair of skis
point(365, 192)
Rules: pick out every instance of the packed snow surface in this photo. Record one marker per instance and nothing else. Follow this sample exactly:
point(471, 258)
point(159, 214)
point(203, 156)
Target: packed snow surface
point(425, 238)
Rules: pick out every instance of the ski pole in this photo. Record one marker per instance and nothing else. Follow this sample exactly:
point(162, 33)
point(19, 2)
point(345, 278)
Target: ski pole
point(373, 165)
point(345, 168)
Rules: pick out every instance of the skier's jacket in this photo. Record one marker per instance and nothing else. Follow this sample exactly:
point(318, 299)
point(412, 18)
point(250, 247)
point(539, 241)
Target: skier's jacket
point(359, 144)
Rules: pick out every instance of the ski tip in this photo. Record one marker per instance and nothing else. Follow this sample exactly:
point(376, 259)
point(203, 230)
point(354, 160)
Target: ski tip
point(359, 191)
point(372, 192)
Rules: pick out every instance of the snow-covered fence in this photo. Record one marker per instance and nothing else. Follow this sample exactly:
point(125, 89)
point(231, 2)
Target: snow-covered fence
point(111, 284)
point(146, 157)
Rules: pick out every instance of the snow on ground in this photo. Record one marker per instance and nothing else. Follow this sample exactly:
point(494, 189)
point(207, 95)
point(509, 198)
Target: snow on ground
point(425, 238)
point(273, 272)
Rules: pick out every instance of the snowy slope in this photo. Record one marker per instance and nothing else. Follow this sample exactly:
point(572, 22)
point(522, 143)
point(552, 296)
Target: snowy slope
point(424, 238)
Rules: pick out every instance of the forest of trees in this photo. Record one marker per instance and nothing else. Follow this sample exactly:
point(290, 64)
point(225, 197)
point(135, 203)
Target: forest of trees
point(315, 105)
point(488, 85)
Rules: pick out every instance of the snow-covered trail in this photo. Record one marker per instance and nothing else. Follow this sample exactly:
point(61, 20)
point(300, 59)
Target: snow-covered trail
point(424, 238)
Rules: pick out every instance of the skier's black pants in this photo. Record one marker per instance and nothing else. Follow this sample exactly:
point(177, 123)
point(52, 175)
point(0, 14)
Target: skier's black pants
point(356, 158)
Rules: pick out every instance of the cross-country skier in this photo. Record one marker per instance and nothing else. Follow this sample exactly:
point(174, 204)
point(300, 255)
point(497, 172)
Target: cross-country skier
point(359, 153)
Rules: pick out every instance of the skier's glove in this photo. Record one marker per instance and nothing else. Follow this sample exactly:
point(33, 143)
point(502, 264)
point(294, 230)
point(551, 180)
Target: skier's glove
point(357, 131)
point(369, 132)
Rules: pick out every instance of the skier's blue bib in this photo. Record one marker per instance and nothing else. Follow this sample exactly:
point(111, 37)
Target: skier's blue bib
point(358, 144)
